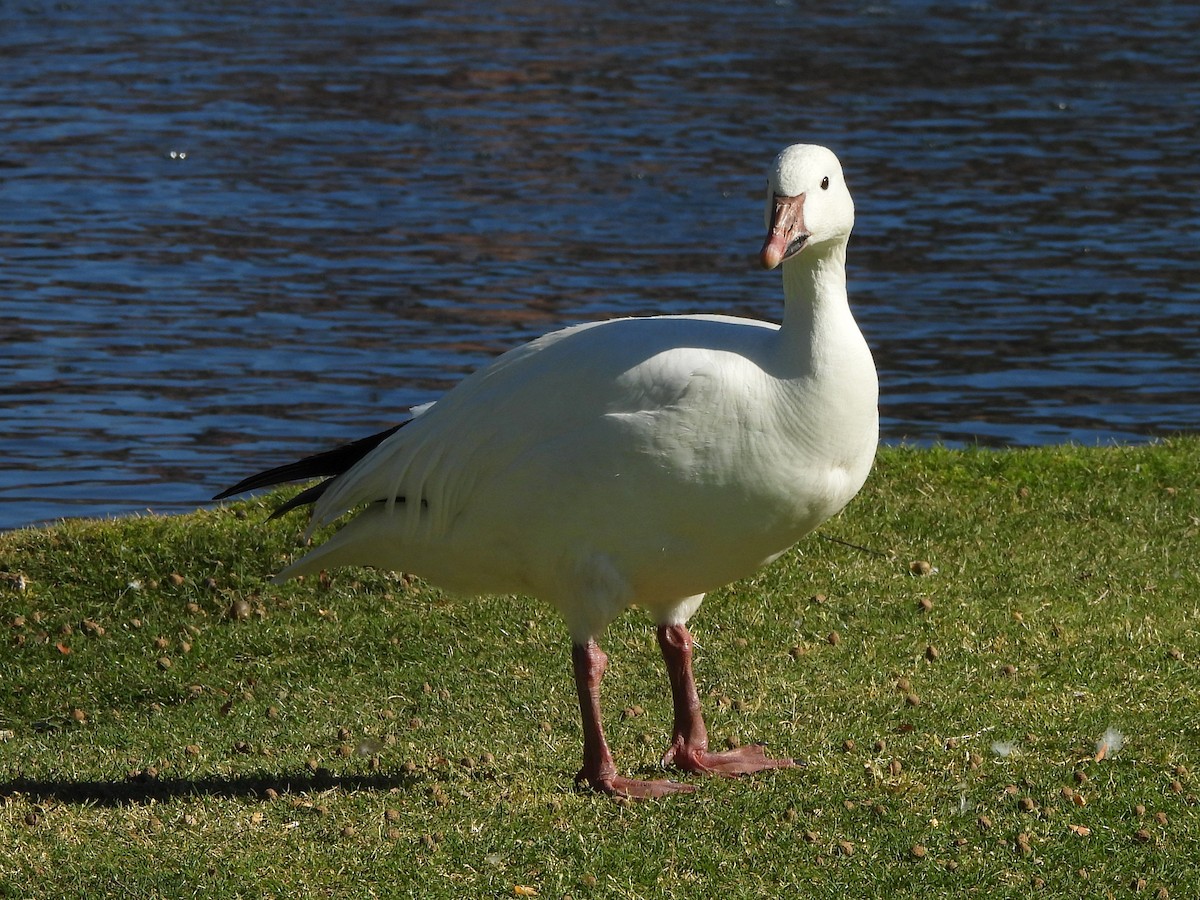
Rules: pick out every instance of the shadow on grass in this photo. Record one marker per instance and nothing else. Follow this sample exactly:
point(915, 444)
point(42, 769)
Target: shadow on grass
point(145, 788)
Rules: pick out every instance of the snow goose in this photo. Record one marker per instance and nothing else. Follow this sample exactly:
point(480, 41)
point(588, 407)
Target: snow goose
point(635, 461)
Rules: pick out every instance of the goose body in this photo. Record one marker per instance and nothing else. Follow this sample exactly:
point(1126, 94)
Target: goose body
point(635, 461)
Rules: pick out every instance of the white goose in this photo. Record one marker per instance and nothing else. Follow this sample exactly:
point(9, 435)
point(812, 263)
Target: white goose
point(636, 461)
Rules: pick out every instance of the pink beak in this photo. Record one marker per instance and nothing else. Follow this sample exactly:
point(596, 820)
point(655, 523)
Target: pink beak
point(787, 235)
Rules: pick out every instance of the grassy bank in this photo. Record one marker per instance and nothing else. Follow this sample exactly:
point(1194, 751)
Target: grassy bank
point(170, 723)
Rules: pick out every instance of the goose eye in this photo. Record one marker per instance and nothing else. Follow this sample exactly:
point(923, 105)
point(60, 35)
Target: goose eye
point(825, 183)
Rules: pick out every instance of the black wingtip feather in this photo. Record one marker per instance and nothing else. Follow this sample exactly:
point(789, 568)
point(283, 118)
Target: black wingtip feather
point(328, 465)
point(305, 497)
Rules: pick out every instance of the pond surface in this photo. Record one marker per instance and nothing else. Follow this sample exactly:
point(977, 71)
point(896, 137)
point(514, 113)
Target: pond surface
point(233, 234)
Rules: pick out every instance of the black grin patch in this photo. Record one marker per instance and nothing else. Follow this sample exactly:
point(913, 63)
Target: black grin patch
point(796, 246)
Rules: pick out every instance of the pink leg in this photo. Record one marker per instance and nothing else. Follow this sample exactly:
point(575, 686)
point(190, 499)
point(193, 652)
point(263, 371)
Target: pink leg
point(598, 771)
point(689, 745)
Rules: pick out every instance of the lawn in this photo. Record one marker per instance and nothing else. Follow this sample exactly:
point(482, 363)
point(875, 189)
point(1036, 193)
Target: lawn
point(990, 663)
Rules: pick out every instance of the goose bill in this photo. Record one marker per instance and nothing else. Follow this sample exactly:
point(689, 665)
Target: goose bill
point(787, 234)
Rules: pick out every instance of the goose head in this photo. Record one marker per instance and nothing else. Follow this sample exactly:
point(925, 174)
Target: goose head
point(808, 204)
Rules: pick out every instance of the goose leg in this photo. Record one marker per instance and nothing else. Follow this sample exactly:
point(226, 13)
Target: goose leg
point(689, 745)
point(598, 771)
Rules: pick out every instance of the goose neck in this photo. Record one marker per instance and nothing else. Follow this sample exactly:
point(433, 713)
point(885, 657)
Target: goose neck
point(814, 289)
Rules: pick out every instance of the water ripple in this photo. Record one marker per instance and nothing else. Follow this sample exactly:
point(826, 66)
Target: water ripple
point(236, 234)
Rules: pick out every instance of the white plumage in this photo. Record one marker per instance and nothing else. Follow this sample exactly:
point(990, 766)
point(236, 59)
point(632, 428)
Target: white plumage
point(636, 461)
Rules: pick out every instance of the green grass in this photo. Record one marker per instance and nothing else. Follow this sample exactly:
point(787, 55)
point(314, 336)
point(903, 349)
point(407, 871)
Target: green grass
point(171, 724)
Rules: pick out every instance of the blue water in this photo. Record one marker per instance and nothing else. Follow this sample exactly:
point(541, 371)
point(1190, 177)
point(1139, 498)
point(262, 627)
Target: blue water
point(232, 234)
